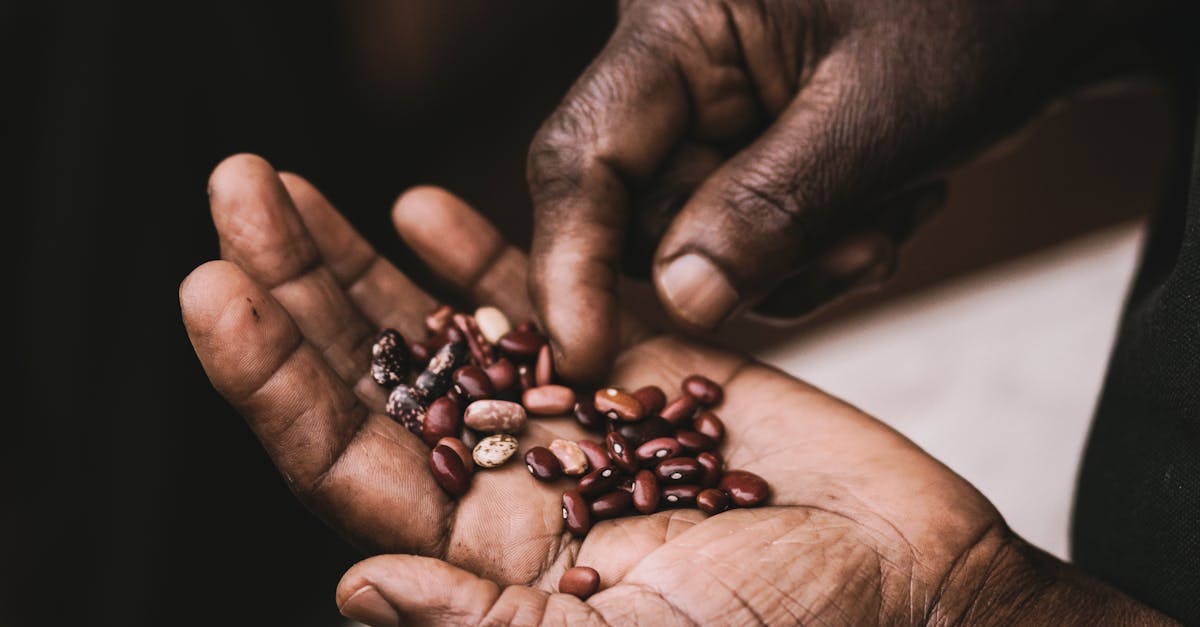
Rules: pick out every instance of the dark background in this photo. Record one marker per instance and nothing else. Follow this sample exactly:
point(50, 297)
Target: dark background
point(132, 493)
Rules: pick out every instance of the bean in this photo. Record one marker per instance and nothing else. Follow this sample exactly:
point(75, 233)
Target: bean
point(576, 513)
point(421, 353)
point(611, 505)
point(679, 495)
point(443, 419)
point(573, 460)
point(526, 377)
point(596, 454)
point(652, 399)
point(503, 375)
point(580, 581)
point(626, 484)
point(645, 492)
point(464, 452)
point(543, 372)
point(472, 384)
point(712, 501)
point(435, 381)
point(527, 326)
point(492, 322)
point(494, 416)
point(657, 449)
point(703, 389)
point(617, 405)
point(745, 489)
point(481, 350)
point(644, 430)
point(522, 346)
point(437, 321)
point(619, 452)
point(713, 468)
point(390, 358)
point(587, 416)
point(693, 442)
point(708, 424)
point(542, 464)
point(549, 400)
point(679, 412)
point(469, 437)
point(494, 450)
point(448, 470)
point(598, 481)
point(404, 405)
point(679, 470)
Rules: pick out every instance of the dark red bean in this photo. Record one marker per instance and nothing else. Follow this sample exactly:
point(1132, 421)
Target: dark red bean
point(438, 319)
point(714, 467)
point(712, 501)
point(619, 452)
point(463, 450)
point(586, 414)
point(390, 358)
point(679, 412)
point(482, 350)
point(521, 346)
point(657, 449)
point(543, 372)
point(580, 581)
point(503, 375)
point(405, 406)
point(693, 442)
point(745, 489)
point(596, 454)
point(652, 399)
point(443, 419)
point(645, 492)
point(448, 470)
point(679, 495)
point(611, 505)
point(576, 513)
point(549, 400)
point(471, 383)
point(644, 430)
point(618, 405)
point(679, 470)
point(525, 377)
point(542, 464)
point(527, 326)
point(626, 484)
point(704, 390)
point(598, 481)
point(420, 354)
point(708, 424)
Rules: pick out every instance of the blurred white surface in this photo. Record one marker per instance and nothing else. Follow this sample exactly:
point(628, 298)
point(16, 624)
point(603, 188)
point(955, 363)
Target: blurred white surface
point(995, 374)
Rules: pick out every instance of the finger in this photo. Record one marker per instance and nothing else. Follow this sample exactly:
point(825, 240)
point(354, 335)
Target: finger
point(375, 286)
point(405, 589)
point(360, 471)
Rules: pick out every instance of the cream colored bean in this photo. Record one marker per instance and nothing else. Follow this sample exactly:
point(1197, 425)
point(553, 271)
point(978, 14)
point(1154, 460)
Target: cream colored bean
point(492, 323)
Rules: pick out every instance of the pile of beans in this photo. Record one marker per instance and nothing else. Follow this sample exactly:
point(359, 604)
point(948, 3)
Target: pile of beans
point(478, 379)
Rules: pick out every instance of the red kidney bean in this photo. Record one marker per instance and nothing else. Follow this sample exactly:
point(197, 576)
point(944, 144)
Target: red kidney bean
point(525, 377)
point(704, 390)
point(708, 424)
point(644, 430)
point(679, 470)
point(522, 346)
point(471, 383)
point(679, 495)
point(502, 374)
point(619, 452)
point(420, 354)
point(448, 470)
point(404, 405)
point(570, 456)
point(626, 484)
point(712, 501)
point(679, 412)
point(618, 405)
point(693, 442)
point(549, 400)
point(611, 505)
point(596, 454)
point(469, 438)
point(657, 449)
point(745, 489)
point(527, 326)
point(580, 581)
point(543, 372)
point(587, 416)
point(576, 513)
point(436, 379)
point(463, 450)
point(652, 399)
point(495, 416)
point(439, 319)
point(645, 492)
point(713, 465)
point(542, 464)
point(390, 358)
point(482, 350)
point(443, 419)
point(598, 481)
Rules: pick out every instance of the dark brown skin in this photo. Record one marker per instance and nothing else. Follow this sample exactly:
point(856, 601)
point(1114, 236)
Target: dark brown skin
point(863, 526)
point(782, 149)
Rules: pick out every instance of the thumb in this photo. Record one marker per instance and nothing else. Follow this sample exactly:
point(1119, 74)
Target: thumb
point(389, 590)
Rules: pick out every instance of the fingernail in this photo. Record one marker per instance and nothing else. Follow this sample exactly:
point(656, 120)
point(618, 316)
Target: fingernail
point(700, 292)
point(368, 607)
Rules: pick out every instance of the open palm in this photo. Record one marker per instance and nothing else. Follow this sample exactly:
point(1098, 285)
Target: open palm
point(862, 526)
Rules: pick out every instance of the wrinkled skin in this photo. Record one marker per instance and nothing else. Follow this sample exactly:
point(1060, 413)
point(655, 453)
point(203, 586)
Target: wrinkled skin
point(862, 526)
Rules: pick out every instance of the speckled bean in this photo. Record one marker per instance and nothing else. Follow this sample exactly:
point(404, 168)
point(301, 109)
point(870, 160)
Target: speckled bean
point(405, 406)
point(390, 358)
point(580, 581)
point(494, 450)
point(576, 514)
point(745, 489)
point(573, 460)
point(495, 416)
point(542, 464)
point(436, 379)
point(549, 400)
point(618, 405)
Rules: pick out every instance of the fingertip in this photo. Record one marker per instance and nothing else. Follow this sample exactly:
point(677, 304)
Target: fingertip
point(236, 170)
point(203, 292)
point(695, 291)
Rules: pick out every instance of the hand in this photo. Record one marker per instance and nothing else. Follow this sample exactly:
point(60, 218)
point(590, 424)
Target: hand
point(773, 154)
point(862, 526)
